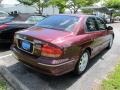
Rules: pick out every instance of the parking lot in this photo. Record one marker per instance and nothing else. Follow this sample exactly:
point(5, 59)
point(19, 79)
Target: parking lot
point(98, 68)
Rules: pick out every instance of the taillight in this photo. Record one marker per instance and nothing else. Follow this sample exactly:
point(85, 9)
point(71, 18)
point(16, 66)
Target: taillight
point(50, 51)
point(3, 26)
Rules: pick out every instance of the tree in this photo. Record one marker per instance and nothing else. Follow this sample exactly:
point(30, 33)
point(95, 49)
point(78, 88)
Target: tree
point(61, 4)
point(87, 11)
point(75, 5)
point(115, 4)
point(38, 4)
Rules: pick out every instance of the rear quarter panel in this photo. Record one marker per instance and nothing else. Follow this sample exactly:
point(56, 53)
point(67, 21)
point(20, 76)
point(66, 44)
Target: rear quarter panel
point(76, 45)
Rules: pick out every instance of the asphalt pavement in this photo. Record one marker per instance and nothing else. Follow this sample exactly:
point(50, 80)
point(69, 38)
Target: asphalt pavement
point(98, 68)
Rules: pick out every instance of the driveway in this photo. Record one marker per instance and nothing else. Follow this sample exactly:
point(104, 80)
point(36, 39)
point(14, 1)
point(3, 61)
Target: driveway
point(97, 70)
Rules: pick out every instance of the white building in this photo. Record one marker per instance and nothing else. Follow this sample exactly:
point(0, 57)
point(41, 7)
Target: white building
point(13, 5)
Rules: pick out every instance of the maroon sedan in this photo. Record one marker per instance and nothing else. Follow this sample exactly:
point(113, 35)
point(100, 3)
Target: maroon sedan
point(62, 43)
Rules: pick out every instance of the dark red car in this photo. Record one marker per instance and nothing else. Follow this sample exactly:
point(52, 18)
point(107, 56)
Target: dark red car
point(62, 43)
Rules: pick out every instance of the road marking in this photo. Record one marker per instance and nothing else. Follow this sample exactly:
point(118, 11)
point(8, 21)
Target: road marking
point(5, 56)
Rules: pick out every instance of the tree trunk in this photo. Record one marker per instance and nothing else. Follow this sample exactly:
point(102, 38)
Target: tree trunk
point(42, 7)
point(39, 7)
point(39, 10)
point(61, 10)
point(71, 11)
point(111, 17)
point(75, 11)
point(53, 9)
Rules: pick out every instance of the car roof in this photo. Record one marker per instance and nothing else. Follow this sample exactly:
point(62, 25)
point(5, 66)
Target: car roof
point(77, 15)
point(38, 15)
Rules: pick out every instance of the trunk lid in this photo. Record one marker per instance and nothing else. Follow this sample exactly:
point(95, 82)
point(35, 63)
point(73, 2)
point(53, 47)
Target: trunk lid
point(44, 34)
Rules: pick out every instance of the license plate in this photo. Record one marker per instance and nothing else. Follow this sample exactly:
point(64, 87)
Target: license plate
point(26, 45)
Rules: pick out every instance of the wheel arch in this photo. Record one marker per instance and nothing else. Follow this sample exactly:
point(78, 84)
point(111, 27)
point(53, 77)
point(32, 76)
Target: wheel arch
point(89, 49)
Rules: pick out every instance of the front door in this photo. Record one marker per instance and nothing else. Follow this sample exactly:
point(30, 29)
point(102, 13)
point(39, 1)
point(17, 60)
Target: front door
point(103, 29)
point(96, 34)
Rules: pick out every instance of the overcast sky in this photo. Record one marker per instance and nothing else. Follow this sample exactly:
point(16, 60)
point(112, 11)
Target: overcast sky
point(9, 2)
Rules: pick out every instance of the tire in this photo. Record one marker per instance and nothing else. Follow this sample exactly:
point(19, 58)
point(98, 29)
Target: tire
point(82, 63)
point(110, 43)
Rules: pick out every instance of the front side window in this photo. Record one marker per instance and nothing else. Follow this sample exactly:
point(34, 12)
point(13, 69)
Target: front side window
point(101, 24)
point(91, 24)
point(59, 22)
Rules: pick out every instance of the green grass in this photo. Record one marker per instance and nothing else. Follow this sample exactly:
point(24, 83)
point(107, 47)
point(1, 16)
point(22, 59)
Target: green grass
point(2, 84)
point(113, 80)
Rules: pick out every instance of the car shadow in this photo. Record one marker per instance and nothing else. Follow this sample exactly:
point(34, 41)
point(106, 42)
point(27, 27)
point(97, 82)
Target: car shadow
point(69, 79)
point(96, 58)
point(56, 83)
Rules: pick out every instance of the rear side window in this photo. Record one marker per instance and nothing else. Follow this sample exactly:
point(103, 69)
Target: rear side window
point(101, 24)
point(91, 24)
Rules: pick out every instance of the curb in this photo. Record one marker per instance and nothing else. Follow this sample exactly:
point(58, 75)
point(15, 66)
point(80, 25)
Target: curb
point(14, 82)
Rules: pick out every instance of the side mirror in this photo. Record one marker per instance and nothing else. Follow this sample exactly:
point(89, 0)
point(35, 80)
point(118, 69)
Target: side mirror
point(109, 28)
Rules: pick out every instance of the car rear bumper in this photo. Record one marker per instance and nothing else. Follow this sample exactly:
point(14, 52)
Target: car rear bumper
point(49, 69)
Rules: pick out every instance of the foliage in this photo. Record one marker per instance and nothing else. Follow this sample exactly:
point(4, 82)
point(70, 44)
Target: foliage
point(116, 14)
point(87, 11)
point(61, 4)
point(112, 4)
point(72, 5)
point(75, 5)
point(2, 85)
point(113, 80)
point(39, 4)
point(26, 2)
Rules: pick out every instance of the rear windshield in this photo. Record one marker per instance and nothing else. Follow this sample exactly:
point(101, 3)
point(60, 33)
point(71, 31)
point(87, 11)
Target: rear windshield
point(59, 22)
